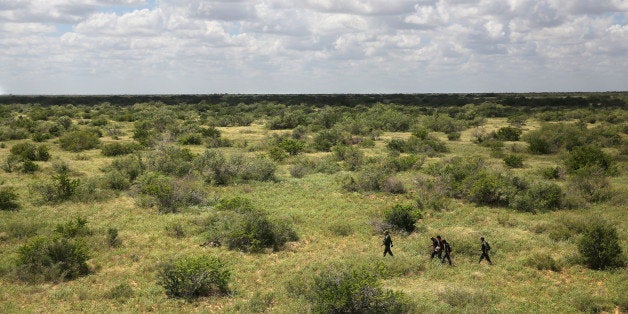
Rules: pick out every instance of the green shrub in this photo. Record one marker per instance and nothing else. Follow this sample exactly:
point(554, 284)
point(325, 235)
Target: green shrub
point(587, 157)
point(190, 139)
point(514, 161)
point(552, 173)
point(8, 198)
point(507, 134)
point(599, 246)
point(118, 149)
point(453, 136)
point(160, 190)
point(352, 157)
point(238, 204)
point(170, 159)
point(242, 227)
point(74, 228)
point(326, 139)
point(112, 237)
point(130, 166)
point(116, 180)
point(27, 151)
point(489, 188)
point(80, 140)
point(593, 185)
point(30, 167)
point(52, 260)
point(60, 188)
point(543, 261)
point(254, 232)
point(354, 291)
point(402, 217)
point(539, 196)
point(194, 276)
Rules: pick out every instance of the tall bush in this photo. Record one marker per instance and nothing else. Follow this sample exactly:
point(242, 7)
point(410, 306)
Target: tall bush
point(194, 276)
point(354, 291)
point(599, 246)
point(402, 217)
point(8, 198)
point(80, 140)
point(52, 259)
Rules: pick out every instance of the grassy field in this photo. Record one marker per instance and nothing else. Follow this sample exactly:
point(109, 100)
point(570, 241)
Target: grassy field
point(335, 227)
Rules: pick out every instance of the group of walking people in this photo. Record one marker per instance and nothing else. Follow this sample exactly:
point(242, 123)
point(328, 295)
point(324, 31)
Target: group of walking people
point(440, 248)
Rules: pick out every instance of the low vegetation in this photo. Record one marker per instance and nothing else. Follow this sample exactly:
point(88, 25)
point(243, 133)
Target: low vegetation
point(277, 204)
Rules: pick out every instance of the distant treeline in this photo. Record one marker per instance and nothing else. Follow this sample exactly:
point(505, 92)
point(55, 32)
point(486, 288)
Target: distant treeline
point(562, 100)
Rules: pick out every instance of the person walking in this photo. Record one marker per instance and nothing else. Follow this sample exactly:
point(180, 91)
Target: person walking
point(387, 243)
point(446, 251)
point(439, 247)
point(435, 247)
point(485, 249)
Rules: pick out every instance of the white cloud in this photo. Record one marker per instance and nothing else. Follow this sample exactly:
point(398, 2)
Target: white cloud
point(311, 45)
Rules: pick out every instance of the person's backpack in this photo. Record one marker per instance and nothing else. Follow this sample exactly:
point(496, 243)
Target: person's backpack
point(488, 247)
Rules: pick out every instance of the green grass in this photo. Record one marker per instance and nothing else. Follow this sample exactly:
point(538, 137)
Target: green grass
point(124, 277)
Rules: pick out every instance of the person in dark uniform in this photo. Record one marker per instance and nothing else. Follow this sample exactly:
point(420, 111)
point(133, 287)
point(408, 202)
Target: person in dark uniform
point(485, 249)
point(387, 243)
point(446, 250)
point(435, 247)
point(439, 247)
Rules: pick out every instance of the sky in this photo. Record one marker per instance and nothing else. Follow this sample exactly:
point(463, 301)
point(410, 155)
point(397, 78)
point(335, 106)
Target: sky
point(312, 46)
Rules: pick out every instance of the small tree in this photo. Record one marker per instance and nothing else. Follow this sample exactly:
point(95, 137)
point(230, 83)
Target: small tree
point(194, 277)
point(402, 217)
point(8, 199)
point(599, 246)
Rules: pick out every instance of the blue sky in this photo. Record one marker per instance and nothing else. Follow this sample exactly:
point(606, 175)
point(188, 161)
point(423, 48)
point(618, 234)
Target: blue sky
point(312, 46)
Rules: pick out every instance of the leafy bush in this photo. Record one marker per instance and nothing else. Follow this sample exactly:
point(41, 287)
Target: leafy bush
point(112, 237)
point(599, 246)
point(514, 161)
point(60, 188)
point(8, 198)
point(118, 149)
point(242, 227)
point(326, 139)
point(352, 156)
point(216, 169)
point(27, 151)
point(539, 196)
point(52, 259)
point(402, 217)
point(354, 291)
point(552, 173)
point(587, 157)
point(74, 228)
point(170, 159)
point(167, 194)
point(591, 184)
point(80, 140)
point(194, 276)
point(190, 139)
point(489, 188)
point(550, 138)
point(507, 134)
point(130, 166)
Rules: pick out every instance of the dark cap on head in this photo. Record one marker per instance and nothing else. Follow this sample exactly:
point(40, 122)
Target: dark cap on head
point(482, 238)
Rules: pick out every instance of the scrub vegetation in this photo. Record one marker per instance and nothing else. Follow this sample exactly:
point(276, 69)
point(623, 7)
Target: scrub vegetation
point(278, 203)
